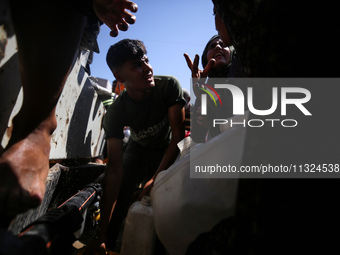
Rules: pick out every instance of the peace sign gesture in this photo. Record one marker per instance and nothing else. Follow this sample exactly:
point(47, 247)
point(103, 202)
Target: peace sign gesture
point(193, 66)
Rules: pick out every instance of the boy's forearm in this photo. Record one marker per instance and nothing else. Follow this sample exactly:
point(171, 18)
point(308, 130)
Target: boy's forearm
point(111, 188)
point(169, 158)
point(171, 153)
point(176, 118)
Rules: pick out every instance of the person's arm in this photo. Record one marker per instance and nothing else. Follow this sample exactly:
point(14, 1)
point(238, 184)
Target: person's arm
point(112, 181)
point(111, 186)
point(176, 119)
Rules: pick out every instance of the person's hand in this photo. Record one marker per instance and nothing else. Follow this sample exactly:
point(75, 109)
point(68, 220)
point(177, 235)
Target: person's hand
point(193, 66)
point(114, 13)
point(95, 247)
point(146, 190)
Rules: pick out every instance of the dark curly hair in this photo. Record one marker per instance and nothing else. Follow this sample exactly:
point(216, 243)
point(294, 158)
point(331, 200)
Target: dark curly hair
point(123, 51)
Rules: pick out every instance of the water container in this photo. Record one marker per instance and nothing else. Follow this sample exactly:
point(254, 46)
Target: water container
point(139, 234)
point(185, 205)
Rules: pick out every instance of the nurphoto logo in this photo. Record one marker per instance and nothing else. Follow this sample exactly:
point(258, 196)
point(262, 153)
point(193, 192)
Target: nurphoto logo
point(300, 98)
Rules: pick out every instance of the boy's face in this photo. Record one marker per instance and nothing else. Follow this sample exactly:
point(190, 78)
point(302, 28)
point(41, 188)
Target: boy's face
point(137, 75)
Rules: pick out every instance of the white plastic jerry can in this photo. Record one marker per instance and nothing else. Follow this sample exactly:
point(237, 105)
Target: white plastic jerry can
point(139, 231)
